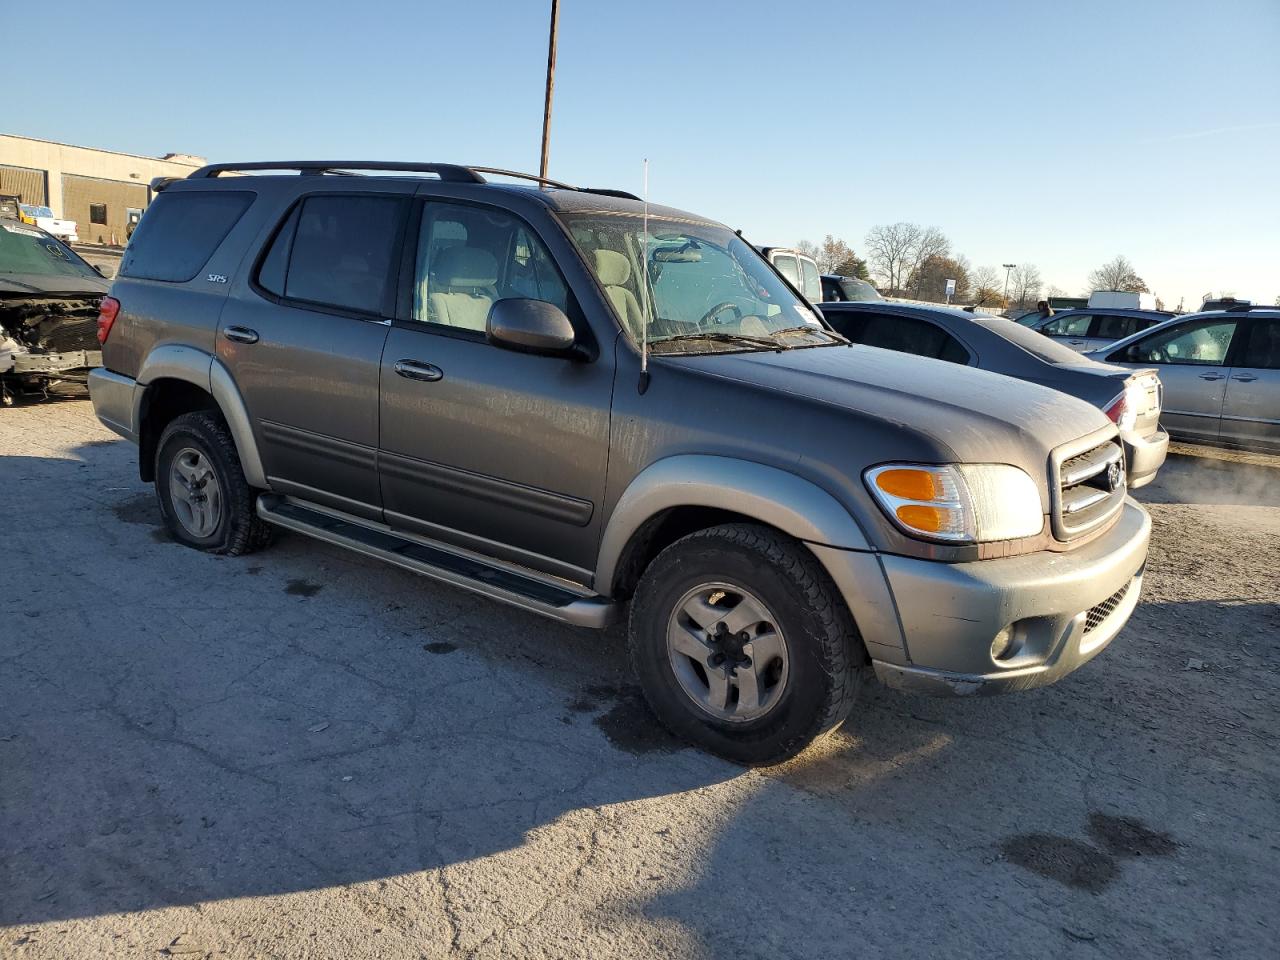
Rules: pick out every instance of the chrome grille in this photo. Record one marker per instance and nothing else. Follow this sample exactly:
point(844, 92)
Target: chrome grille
point(1093, 619)
point(1091, 489)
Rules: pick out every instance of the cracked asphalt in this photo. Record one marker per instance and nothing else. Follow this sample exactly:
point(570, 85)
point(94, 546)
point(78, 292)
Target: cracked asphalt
point(304, 753)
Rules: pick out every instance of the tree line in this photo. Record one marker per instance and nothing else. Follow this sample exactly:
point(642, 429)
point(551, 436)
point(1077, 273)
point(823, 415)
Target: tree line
point(915, 262)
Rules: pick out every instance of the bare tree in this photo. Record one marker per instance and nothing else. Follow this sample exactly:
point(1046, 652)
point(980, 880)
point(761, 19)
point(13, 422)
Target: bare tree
point(929, 280)
point(931, 245)
point(1117, 274)
point(809, 249)
point(1025, 284)
point(891, 252)
point(986, 287)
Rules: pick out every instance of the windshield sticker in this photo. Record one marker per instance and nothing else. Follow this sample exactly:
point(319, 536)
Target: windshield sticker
point(55, 251)
point(23, 231)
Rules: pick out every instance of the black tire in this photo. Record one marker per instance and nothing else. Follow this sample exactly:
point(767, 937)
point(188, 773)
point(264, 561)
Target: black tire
point(825, 653)
point(239, 530)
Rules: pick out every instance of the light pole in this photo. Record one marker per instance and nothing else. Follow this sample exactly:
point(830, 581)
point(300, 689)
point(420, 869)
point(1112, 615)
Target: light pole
point(551, 84)
point(1007, 268)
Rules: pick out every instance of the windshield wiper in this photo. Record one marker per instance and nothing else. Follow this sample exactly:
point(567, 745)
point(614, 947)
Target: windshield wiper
point(718, 336)
point(810, 328)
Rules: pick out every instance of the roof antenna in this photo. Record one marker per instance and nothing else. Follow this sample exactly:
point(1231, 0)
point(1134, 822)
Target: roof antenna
point(644, 289)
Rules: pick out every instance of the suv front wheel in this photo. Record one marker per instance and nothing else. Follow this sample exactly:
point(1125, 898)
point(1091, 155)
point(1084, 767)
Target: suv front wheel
point(204, 497)
point(742, 644)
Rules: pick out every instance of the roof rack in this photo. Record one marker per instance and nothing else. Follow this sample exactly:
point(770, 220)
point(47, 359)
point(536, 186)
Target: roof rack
point(445, 171)
point(452, 172)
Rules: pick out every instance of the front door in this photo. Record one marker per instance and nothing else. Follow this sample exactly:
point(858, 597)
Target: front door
point(1071, 330)
point(305, 346)
point(1192, 360)
point(489, 449)
point(1251, 409)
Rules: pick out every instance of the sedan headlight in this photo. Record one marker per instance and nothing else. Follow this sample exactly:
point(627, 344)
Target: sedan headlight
point(958, 503)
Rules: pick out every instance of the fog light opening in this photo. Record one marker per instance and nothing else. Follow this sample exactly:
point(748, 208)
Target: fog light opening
point(1006, 644)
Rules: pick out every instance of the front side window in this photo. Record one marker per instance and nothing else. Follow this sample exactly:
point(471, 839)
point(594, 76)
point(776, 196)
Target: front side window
point(333, 251)
point(1068, 325)
point(708, 290)
point(180, 231)
point(1263, 349)
point(471, 257)
point(1203, 343)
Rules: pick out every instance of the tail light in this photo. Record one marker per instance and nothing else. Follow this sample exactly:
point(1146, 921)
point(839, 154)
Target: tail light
point(1123, 410)
point(107, 312)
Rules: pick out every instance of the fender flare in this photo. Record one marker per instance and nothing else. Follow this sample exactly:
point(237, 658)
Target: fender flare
point(771, 495)
point(178, 362)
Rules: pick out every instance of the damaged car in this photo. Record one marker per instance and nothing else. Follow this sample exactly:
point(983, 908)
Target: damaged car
point(49, 300)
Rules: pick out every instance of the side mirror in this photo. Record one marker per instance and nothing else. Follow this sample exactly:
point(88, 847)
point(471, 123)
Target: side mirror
point(529, 326)
point(105, 272)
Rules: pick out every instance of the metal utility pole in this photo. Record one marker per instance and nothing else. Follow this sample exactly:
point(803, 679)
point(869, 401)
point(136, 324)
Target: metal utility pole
point(551, 85)
point(1007, 268)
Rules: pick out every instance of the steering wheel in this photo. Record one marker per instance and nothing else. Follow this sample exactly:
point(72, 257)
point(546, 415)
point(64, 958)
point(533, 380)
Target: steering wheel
point(718, 309)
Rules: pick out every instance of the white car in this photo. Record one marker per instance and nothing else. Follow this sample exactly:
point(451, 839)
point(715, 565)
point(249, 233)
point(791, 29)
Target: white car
point(42, 217)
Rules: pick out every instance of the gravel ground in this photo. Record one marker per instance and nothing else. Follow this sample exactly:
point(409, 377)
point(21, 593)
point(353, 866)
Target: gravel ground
point(306, 754)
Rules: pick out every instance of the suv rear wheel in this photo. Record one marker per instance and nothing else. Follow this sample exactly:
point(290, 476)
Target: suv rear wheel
point(204, 497)
point(742, 644)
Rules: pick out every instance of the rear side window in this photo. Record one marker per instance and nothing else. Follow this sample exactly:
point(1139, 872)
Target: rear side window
point(812, 286)
point(900, 333)
point(788, 268)
point(1263, 348)
point(335, 251)
point(1117, 328)
point(179, 232)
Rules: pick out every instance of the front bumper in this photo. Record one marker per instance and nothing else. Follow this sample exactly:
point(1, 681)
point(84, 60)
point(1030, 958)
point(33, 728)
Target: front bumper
point(1063, 608)
point(1144, 456)
point(113, 401)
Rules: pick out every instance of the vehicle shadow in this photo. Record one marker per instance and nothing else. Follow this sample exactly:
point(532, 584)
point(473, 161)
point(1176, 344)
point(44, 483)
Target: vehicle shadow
point(177, 728)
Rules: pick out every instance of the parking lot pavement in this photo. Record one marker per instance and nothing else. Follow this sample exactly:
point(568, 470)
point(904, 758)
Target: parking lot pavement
point(306, 753)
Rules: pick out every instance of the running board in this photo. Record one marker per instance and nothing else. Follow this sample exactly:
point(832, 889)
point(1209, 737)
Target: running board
point(528, 591)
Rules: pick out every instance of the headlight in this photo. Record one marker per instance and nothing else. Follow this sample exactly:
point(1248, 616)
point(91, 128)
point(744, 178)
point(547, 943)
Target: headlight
point(958, 503)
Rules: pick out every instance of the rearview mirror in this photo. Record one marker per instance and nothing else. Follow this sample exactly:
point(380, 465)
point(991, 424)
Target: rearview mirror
point(529, 326)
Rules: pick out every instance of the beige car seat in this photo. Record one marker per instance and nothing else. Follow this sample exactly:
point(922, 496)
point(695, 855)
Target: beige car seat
point(614, 270)
point(462, 288)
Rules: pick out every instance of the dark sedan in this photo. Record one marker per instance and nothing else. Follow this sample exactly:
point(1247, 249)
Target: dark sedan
point(1131, 398)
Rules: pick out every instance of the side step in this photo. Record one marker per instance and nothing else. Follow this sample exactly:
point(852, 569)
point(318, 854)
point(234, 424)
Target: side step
point(527, 590)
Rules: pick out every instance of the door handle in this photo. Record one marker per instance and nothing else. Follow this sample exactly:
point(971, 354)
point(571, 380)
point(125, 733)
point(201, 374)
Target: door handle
point(1244, 377)
point(1076, 342)
point(241, 334)
point(1212, 376)
point(417, 370)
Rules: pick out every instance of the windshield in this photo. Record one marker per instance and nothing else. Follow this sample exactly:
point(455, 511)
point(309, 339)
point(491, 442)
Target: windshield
point(32, 211)
point(708, 290)
point(1036, 344)
point(26, 250)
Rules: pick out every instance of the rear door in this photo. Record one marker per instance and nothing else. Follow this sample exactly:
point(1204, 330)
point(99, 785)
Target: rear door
point(304, 344)
point(1251, 408)
point(482, 447)
point(1191, 358)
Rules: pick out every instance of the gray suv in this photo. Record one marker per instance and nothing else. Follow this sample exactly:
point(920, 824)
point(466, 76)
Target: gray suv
point(590, 409)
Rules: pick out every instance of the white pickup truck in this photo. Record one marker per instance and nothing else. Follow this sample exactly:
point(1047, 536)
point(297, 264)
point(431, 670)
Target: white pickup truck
point(42, 217)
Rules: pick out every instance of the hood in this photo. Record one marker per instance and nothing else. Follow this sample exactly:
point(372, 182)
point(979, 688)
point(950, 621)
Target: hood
point(981, 417)
point(28, 285)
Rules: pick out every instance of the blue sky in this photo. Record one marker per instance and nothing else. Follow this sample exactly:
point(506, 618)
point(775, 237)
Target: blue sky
point(1056, 133)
